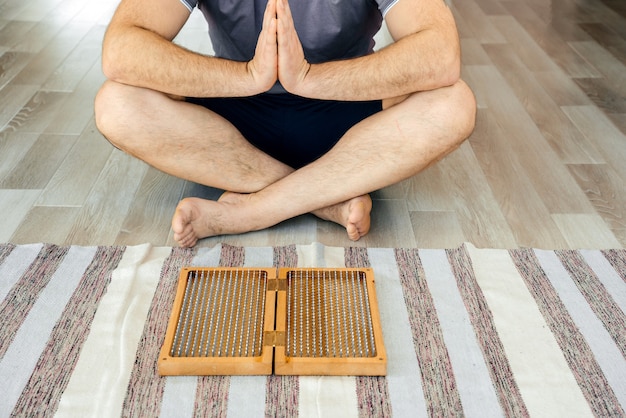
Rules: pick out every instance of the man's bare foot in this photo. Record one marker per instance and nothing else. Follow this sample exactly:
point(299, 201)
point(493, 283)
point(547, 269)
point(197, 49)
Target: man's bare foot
point(188, 222)
point(353, 214)
point(197, 218)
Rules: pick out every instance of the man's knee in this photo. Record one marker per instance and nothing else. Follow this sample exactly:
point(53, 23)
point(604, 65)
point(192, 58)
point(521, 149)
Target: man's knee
point(465, 105)
point(451, 112)
point(106, 108)
point(455, 106)
point(456, 111)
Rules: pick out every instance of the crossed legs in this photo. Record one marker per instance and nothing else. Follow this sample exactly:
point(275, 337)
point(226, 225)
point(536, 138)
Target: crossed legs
point(190, 142)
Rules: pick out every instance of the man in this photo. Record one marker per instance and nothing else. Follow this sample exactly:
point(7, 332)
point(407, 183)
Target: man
point(295, 115)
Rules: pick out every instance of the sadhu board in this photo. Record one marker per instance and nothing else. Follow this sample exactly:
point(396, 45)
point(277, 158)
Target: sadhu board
point(286, 321)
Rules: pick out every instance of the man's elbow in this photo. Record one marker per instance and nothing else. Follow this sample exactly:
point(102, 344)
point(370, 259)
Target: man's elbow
point(115, 49)
point(111, 63)
point(451, 68)
point(108, 67)
point(444, 71)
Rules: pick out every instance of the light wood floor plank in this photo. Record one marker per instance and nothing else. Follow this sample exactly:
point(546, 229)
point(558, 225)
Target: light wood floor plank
point(391, 226)
point(558, 191)
point(12, 99)
point(8, 4)
point(478, 211)
point(97, 12)
point(437, 229)
point(473, 53)
point(566, 140)
point(395, 191)
point(82, 58)
point(46, 224)
point(551, 41)
point(77, 111)
point(562, 90)
point(109, 202)
point(40, 163)
point(40, 110)
point(602, 94)
point(68, 10)
point(463, 28)
point(14, 205)
point(11, 63)
point(37, 37)
point(599, 129)
point(71, 183)
point(430, 191)
point(36, 10)
point(13, 148)
point(528, 51)
point(585, 231)
point(14, 31)
point(524, 210)
point(608, 38)
point(605, 190)
point(619, 120)
point(150, 215)
point(613, 70)
point(479, 26)
point(491, 7)
point(48, 59)
point(569, 31)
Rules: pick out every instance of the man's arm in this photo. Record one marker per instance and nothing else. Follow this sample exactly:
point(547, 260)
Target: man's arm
point(138, 51)
point(424, 56)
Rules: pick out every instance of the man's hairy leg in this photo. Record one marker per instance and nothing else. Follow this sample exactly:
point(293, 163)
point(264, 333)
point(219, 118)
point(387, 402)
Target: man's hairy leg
point(384, 149)
point(193, 143)
point(183, 139)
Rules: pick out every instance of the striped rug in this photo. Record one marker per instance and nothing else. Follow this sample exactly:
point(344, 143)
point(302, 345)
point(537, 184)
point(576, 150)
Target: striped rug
point(468, 332)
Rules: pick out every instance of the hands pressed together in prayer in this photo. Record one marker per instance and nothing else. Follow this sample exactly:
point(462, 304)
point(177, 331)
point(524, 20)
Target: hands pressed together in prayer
point(279, 54)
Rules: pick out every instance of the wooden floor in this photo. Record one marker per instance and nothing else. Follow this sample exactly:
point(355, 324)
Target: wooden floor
point(545, 167)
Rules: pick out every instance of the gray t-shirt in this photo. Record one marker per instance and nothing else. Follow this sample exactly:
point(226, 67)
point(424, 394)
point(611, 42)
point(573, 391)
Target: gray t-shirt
point(328, 29)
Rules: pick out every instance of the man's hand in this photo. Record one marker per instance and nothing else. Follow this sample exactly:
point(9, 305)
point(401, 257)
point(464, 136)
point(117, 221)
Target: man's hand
point(264, 65)
point(292, 66)
point(425, 55)
point(279, 54)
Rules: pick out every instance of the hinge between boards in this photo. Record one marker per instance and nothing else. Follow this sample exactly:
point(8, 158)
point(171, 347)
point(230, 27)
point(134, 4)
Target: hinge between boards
point(277, 285)
point(274, 338)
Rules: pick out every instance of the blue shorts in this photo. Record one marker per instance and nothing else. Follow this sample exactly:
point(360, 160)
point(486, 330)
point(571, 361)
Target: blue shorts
point(292, 129)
